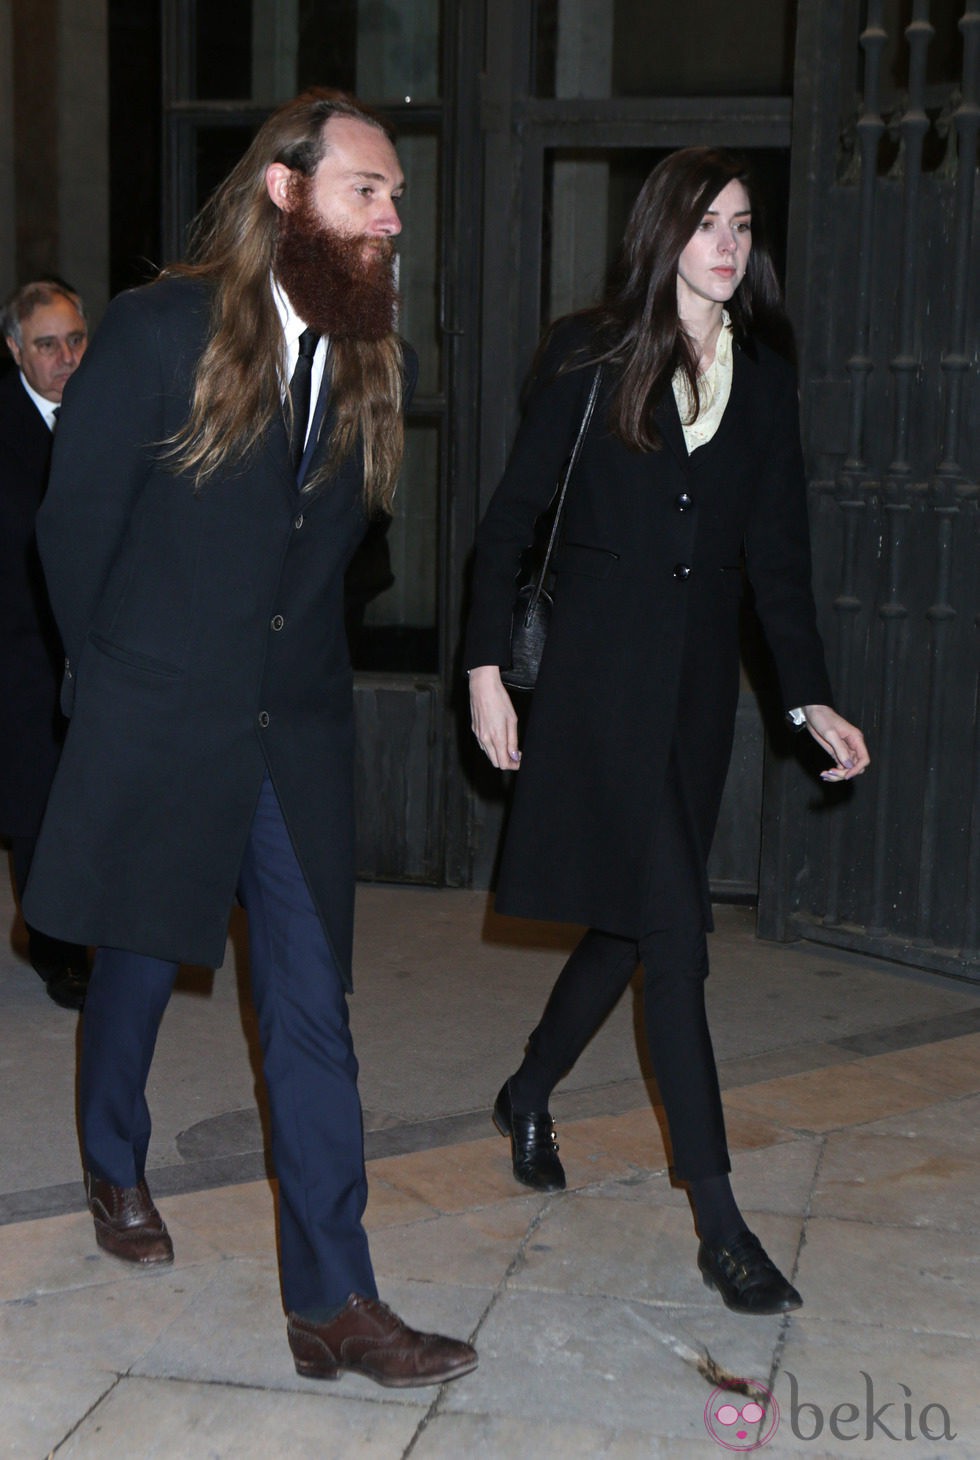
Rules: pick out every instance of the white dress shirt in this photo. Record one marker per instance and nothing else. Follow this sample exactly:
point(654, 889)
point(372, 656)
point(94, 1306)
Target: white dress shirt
point(49, 408)
point(292, 328)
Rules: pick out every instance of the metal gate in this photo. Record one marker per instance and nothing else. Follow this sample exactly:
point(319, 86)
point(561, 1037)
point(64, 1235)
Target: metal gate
point(884, 291)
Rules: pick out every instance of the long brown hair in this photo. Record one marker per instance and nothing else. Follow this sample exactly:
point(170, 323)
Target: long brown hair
point(237, 384)
point(637, 326)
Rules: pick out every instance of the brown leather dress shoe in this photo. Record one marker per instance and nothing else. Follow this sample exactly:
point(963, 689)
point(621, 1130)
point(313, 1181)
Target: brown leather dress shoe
point(127, 1224)
point(367, 1338)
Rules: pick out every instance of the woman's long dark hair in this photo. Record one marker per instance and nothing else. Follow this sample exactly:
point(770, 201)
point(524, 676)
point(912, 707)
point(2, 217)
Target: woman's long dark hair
point(637, 327)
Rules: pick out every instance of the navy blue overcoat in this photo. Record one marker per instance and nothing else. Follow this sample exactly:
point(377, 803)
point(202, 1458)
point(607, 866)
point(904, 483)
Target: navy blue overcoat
point(204, 634)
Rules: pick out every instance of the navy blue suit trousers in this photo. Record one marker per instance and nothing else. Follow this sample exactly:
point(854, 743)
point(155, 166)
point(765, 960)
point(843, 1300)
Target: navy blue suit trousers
point(308, 1059)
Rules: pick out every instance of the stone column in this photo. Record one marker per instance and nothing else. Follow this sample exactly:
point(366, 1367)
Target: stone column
point(8, 203)
point(82, 140)
point(580, 188)
point(54, 162)
point(275, 38)
point(398, 58)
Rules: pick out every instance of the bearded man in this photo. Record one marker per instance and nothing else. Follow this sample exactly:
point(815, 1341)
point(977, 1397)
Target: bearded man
point(218, 457)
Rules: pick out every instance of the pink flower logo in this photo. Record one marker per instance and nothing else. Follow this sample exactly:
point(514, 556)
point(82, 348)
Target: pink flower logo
point(739, 1421)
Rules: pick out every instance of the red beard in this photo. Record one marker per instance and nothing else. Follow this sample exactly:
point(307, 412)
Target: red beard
point(331, 285)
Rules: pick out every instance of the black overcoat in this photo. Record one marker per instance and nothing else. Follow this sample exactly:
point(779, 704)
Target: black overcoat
point(31, 724)
point(204, 633)
point(643, 651)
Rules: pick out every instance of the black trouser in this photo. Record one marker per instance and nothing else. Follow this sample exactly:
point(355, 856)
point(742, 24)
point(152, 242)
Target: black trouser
point(675, 962)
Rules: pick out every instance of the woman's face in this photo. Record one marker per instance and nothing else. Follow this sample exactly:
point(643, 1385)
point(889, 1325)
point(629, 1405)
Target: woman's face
point(713, 262)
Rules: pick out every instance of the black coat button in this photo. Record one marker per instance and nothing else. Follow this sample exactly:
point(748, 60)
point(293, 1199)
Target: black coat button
point(684, 502)
point(682, 570)
point(263, 718)
point(278, 622)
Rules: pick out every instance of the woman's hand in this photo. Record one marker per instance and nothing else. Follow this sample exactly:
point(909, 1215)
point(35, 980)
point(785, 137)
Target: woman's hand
point(842, 741)
point(493, 718)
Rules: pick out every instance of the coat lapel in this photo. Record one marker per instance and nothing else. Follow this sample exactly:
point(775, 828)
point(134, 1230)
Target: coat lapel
point(737, 412)
point(667, 418)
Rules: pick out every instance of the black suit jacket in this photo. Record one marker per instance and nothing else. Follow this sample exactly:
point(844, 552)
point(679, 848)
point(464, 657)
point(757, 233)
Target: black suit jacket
point(31, 725)
point(643, 650)
point(205, 637)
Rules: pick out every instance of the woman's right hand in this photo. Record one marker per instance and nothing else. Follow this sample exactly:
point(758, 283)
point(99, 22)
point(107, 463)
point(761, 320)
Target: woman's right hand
point(493, 718)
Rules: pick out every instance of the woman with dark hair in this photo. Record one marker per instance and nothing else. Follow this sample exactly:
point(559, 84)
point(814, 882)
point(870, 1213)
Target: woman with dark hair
point(692, 459)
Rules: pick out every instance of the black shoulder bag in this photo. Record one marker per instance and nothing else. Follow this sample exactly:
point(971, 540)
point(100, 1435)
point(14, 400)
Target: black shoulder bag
point(531, 613)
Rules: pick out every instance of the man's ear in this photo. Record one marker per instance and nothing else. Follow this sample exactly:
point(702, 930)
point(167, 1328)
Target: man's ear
point(278, 182)
point(13, 347)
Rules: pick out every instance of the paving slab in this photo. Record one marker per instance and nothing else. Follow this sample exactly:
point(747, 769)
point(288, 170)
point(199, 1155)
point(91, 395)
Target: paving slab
point(853, 1105)
point(181, 1421)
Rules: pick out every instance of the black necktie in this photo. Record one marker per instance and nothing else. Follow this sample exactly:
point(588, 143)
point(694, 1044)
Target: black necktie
point(299, 395)
point(54, 418)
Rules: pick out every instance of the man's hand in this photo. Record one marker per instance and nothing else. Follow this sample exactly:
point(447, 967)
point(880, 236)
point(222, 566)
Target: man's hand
point(842, 741)
point(493, 718)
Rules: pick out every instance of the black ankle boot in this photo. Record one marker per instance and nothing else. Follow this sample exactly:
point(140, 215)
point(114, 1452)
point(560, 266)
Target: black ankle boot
point(533, 1145)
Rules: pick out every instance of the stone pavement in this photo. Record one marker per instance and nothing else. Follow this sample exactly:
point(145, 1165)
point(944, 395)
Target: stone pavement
point(852, 1089)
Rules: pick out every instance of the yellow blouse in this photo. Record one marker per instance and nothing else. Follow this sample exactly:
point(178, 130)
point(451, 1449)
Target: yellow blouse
point(714, 388)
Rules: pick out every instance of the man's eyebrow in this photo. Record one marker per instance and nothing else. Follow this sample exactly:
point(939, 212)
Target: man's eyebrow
point(375, 176)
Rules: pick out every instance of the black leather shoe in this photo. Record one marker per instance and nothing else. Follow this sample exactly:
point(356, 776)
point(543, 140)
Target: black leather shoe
point(62, 967)
point(747, 1279)
point(67, 986)
point(533, 1144)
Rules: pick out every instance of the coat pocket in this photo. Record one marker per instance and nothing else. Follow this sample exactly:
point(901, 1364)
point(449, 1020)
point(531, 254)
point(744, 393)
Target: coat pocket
point(133, 658)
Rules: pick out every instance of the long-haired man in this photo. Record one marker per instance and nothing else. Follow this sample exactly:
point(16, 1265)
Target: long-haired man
point(219, 455)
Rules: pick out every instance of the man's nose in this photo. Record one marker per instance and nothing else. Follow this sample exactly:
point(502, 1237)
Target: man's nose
point(387, 223)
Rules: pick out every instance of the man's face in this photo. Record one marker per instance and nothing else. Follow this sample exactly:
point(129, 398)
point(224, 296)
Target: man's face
point(54, 340)
point(356, 185)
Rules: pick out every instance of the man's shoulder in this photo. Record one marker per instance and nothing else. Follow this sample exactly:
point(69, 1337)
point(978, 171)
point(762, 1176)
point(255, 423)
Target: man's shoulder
point(15, 404)
point(167, 298)
point(170, 317)
point(11, 388)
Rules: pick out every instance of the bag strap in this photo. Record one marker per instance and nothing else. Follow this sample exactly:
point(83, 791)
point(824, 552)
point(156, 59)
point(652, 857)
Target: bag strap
point(563, 491)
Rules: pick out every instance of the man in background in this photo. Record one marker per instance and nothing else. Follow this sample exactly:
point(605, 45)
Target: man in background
point(44, 327)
